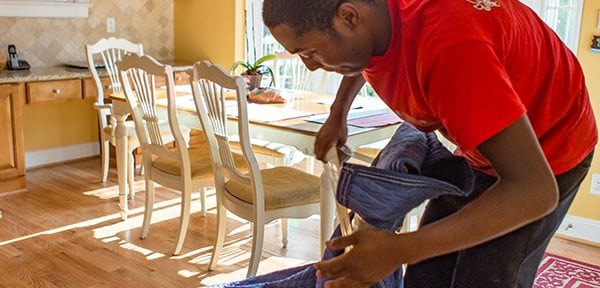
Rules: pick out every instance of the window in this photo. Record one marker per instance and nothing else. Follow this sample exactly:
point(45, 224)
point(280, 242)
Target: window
point(259, 41)
point(564, 16)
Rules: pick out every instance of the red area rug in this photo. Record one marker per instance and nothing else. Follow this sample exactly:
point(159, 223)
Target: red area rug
point(558, 272)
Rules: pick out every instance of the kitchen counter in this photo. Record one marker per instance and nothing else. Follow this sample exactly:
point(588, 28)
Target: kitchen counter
point(60, 73)
point(43, 74)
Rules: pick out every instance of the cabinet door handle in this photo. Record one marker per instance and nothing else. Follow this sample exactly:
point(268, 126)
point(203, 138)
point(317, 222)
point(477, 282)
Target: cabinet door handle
point(56, 91)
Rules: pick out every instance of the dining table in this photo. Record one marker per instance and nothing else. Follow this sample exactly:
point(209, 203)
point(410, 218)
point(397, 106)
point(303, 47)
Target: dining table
point(295, 123)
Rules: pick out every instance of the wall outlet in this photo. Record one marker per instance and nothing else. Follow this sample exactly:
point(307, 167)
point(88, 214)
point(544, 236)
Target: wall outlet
point(595, 186)
point(110, 25)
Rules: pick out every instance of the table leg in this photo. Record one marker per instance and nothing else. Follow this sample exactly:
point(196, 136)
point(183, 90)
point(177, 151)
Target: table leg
point(327, 208)
point(121, 151)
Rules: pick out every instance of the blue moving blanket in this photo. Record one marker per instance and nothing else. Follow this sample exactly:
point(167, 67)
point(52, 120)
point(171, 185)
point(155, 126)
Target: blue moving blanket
point(412, 168)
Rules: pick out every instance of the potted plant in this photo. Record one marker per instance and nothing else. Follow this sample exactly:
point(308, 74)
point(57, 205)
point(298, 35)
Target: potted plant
point(253, 71)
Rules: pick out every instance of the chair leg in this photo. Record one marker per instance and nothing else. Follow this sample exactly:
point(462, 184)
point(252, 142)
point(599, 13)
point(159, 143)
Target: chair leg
point(105, 160)
point(221, 223)
point(203, 201)
point(284, 232)
point(148, 207)
point(310, 164)
point(258, 234)
point(186, 202)
point(130, 177)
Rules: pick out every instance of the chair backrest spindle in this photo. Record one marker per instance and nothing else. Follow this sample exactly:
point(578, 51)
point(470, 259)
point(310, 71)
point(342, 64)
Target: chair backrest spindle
point(138, 76)
point(209, 84)
point(111, 51)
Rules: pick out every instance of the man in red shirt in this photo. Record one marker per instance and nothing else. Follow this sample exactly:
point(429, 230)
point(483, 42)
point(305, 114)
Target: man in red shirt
point(494, 80)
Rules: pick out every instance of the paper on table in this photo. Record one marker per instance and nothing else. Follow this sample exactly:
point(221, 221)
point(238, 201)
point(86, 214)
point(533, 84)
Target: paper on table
point(256, 112)
point(266, 113)
point(184, 88)
point(375, 120)
point(328, 101)
point(360, 102)
point(363, 118)
point(187, 89)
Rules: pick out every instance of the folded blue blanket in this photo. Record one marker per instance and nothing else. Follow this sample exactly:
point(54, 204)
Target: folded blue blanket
point(412, 168)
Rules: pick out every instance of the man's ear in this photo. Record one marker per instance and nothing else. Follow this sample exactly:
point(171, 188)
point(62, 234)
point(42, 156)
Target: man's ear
point(348, 15)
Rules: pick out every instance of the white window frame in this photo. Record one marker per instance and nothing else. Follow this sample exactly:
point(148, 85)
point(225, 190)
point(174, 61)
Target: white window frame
point(548, 11)
point(256, 45)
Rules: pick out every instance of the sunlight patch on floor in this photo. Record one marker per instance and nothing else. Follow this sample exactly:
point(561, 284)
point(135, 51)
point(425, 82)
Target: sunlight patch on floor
point(83, 224)
point(150, 255)
point(163, 211)
point(110, 239)
point(187, 273)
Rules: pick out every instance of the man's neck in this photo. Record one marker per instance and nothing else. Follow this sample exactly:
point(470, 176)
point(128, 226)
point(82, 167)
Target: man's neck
point(381, 25)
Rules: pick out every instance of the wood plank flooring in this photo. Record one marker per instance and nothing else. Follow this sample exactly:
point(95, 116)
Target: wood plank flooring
point(66, 232)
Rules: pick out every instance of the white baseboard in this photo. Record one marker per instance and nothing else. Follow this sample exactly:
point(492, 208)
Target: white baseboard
point(61, 154)
point(580, 228)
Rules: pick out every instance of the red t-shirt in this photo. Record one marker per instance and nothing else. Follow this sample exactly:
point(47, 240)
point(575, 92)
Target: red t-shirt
point(471, 73)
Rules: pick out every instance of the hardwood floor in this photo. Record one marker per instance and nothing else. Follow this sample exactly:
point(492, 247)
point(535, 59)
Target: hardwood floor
point(66, 232)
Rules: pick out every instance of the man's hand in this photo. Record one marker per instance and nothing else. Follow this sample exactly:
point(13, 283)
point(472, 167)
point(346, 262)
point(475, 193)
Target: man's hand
point(333, 133)
point(335, 130)
point(374, 255)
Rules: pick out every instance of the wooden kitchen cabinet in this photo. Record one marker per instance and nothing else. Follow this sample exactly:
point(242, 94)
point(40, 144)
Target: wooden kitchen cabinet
point(12, 154)
point(45, 92)
point(89, 88)
point(180, 78)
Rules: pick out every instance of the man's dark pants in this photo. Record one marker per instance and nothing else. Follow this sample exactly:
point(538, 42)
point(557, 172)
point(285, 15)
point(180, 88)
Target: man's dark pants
point(508, 261)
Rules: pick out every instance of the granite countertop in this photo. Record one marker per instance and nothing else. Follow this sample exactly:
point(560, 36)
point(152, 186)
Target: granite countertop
point(60, 73)
point(43, 74)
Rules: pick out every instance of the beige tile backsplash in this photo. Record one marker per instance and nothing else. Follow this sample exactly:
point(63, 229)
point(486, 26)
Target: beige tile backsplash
point(47, 42)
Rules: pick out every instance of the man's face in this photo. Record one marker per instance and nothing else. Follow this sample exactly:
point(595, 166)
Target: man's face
point(342, 51)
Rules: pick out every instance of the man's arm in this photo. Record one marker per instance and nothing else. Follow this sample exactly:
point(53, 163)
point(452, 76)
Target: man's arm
point(526, 190)
point(334, 131)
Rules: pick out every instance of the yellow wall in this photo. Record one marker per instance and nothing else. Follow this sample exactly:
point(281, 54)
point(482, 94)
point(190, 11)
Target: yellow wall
point(587, 205)
point(209, 30)
point(57, 125)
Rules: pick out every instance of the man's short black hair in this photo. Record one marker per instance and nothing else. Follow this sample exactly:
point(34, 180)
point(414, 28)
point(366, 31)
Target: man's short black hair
point(301, 15)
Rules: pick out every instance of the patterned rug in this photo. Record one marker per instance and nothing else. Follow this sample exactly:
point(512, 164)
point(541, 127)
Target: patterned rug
point(558, 272)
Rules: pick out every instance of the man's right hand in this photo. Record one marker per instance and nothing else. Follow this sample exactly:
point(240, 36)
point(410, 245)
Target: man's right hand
point(335, 130)
point(333, 133)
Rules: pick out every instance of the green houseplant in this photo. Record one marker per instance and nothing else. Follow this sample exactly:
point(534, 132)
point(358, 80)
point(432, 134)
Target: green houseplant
point(252, 72)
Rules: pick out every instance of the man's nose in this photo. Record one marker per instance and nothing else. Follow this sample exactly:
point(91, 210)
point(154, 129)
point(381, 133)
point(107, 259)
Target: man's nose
point(311, 64)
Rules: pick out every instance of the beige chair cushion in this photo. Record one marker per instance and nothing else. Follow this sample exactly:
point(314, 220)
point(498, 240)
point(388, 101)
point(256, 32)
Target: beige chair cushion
point(200, 161)
point(284, 187)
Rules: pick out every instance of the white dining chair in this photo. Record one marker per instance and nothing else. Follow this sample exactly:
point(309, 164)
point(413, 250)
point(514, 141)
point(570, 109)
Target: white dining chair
point(259, 196)
point(106, 52)
point(290, 72)
point(182, 168)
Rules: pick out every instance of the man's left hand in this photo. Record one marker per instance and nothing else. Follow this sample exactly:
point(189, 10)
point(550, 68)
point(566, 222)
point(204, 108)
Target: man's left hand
point(374, 254)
